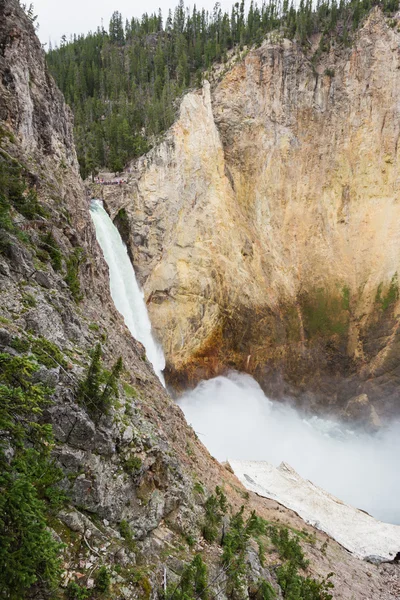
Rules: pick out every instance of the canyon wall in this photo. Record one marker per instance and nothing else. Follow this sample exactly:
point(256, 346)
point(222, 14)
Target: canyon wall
point(136, 478)
point(264, 228)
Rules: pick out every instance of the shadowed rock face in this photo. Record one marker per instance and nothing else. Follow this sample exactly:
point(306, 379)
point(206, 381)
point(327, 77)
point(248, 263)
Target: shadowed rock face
point(265, 227)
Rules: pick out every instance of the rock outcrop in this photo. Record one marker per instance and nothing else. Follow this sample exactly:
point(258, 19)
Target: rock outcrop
point(264, 228)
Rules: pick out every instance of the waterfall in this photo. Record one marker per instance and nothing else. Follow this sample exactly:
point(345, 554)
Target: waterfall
point(125, 291)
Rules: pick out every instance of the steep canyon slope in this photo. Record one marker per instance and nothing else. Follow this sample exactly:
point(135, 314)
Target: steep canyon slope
point(264, 228)
point(136, 477)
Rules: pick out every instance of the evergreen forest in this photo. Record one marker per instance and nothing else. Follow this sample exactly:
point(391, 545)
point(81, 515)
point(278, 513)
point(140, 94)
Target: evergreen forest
point(124, 83)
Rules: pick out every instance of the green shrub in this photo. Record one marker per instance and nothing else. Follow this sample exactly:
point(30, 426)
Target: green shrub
point(127, 534)
point(28, 552)
point(190, 540)
point(102, 579)
point(99, 389)
point(288, 547)
point(20, 344)
point(297, 587)
point(77, 592)
point(28, 300)
point(391, 296)
point(215, 507)
point(294, 586)
point(193, 583)
point(16, 193)
point(47, 353)
point(5, 216)
point(198, 488)
point(129, 390)
point(28, 205)
point(265, 591)
point(49, 243)
point(73, 264)
point(235, 544)
point(133, 465)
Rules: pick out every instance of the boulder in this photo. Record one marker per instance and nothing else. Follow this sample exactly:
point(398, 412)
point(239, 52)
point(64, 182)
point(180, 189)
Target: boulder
point(359, 409)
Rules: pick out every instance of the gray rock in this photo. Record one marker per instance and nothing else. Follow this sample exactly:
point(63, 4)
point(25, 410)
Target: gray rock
point(122, 558)
point(71, 460)
point(43, 279)
point(71, 424)
point(20, 257)
point(103, 443)
point(360, 409)
point(11, 351)
point(85, 494)
point(62, 419)
point(73, 520)
point(49, 377)
point(4, 269)
point(83, 431)
point(127, 436)
point(143, 524)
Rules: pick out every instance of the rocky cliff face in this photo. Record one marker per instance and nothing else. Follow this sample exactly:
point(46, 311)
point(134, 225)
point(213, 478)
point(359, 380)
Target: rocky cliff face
point(137, 478)
point(264, 227)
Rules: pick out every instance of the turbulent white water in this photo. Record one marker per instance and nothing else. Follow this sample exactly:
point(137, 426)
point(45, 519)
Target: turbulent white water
point(235, 420)
point(125, 291)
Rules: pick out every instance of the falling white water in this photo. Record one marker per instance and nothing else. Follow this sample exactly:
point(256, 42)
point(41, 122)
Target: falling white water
point(235, 420)
point(125, 291)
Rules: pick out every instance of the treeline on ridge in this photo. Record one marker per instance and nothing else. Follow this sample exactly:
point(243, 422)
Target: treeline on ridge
point(122, 84)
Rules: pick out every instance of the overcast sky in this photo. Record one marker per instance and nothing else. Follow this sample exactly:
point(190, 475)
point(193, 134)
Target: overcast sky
point(80, 16)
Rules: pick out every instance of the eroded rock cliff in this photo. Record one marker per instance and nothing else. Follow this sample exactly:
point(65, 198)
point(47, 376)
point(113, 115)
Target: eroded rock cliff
point(265, 227)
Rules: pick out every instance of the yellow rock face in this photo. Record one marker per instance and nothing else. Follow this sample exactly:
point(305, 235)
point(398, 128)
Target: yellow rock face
point(265, 228)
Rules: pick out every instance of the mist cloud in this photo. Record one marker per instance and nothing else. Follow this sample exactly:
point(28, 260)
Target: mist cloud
point(235, 420)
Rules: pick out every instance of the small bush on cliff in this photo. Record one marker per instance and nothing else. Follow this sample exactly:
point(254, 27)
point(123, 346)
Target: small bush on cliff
point(99, 389)
point(391, 296)
point(15, 192)
point(50, 245)
point(288, 546)
point(215, 507)
point(75, 591)
point(193, 584)
point(74, 262)
point(297, 587)
point(15, 195)
point(103, 579)
point(47, 353)
point(265, 591)
point(294, 586)
point(235, 544)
